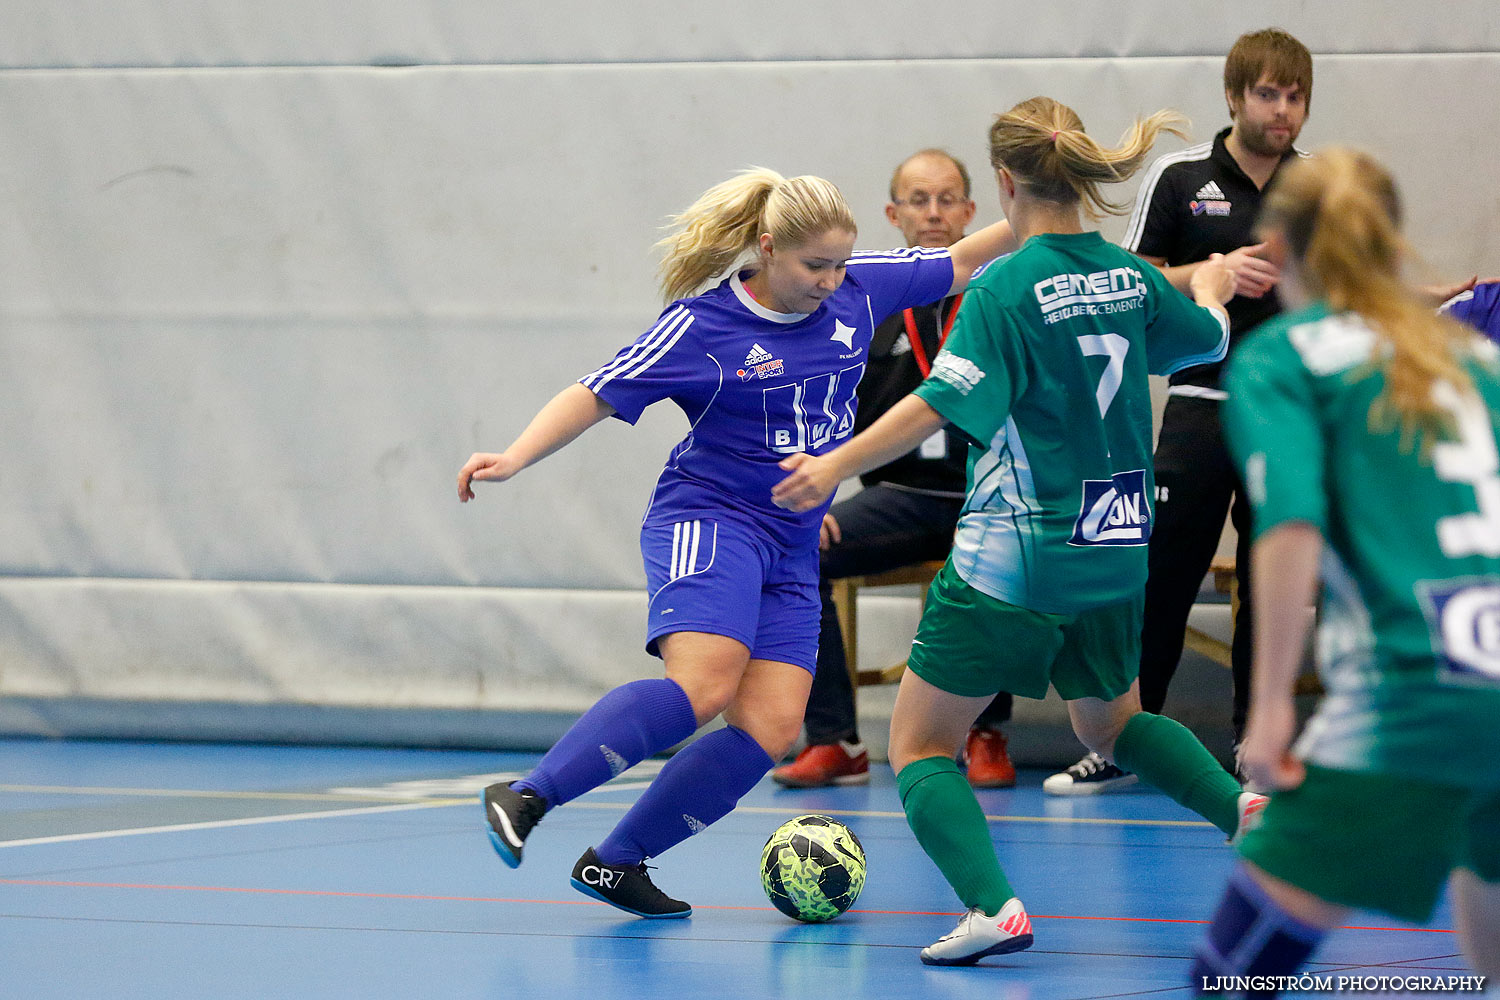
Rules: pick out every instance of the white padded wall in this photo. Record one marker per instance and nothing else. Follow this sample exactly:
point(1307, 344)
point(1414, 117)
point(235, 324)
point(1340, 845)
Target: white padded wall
point(391, 32)
point(273, 273)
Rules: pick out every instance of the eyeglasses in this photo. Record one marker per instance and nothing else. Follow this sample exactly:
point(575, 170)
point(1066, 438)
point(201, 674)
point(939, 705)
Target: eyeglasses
point(920, 199)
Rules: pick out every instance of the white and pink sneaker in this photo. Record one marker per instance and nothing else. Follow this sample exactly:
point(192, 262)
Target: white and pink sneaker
point(978, 934)
point(1251, 805)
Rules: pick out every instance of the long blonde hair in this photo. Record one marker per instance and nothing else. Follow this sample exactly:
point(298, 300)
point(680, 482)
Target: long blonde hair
point(726, 221)
point(1042, 143)
point(1341, 215)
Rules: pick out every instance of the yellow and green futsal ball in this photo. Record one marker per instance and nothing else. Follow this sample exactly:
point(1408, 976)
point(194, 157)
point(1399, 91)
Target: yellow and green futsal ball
point(813, 868)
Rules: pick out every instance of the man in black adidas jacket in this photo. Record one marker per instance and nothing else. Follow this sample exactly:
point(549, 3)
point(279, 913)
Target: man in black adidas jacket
point(1193, 203)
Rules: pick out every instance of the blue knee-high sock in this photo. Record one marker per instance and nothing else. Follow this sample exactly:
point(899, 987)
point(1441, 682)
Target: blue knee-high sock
point(699, 785)
point(626, 726)
point(1250, 936)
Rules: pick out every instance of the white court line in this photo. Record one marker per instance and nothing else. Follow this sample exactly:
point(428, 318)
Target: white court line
point(441, 803)
point(195, 793)
point(395, 790)
point(224, 823)
point(250, 820)
point(889, 814)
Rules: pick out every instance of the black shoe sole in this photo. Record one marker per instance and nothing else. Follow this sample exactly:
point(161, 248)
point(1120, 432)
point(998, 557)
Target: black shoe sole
point(1018, 943)
point(589, 890)
point(842, 781)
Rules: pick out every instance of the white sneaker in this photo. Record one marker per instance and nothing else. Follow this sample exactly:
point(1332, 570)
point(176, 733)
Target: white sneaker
point(978, 934)
point(1252, 804)
point(1090, 776)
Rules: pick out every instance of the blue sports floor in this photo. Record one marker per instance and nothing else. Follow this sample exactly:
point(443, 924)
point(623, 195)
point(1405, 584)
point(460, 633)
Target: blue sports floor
point(135, 870)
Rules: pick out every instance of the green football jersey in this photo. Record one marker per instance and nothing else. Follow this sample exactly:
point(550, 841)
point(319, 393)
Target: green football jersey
point(1045, 371)
point(1408, 643)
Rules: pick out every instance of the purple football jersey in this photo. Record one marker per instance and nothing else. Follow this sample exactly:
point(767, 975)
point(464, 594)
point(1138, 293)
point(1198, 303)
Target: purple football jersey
point(759, 385)
point(1479, 308)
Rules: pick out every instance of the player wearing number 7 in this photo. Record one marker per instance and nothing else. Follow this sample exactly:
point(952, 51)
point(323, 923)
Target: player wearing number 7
point(1365, 429)
point(1046, 372)
point(764, 365)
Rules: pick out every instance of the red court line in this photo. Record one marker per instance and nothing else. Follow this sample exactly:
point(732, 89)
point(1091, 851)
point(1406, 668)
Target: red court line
point(250, 890)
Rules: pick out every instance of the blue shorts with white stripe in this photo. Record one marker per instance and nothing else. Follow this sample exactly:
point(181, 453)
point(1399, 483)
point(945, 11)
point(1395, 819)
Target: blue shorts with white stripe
point(724, 577)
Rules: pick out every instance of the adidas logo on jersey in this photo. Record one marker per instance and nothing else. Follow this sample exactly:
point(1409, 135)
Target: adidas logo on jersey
point(1210, 200)
point(760, 363)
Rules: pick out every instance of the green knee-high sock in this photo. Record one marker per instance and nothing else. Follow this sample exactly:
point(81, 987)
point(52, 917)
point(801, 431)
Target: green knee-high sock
point(1166, 754)
point(943, 813)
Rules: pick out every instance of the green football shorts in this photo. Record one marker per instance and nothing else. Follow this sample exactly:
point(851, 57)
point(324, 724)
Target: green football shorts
point(1376, 842)
point(971, 644)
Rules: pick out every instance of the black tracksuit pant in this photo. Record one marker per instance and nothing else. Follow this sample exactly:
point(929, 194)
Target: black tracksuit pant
point(1196, 485)
point(882, 528)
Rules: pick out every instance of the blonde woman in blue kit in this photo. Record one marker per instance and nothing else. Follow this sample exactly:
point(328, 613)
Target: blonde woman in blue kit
point(765, 363)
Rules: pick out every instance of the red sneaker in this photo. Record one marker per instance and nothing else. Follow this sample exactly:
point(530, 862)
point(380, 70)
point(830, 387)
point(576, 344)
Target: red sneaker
point(826, 764)
point(989, 764)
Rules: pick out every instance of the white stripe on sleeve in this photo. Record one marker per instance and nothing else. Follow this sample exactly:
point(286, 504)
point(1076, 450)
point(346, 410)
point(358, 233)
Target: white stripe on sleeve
point(643, 353)
point(1136, 227)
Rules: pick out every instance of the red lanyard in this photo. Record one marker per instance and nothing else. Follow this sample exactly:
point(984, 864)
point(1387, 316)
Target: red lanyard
point(915, 339)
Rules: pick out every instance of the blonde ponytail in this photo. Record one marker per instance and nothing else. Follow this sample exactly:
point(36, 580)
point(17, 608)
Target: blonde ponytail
point(1341, 216)
point(1044, 146)
point(726, 221)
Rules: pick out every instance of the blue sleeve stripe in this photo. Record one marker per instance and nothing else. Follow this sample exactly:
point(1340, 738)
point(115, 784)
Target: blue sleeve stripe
point(1217, 354)
point(645, 352)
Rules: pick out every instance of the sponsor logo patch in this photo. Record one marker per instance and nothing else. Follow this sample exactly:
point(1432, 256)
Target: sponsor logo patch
point(961, 373)
point(604, 878)
point(760, 363)
point(1218, 208)
point(1464, 617)
point(1064, 296)
point(1114, 511)
point(770, 369)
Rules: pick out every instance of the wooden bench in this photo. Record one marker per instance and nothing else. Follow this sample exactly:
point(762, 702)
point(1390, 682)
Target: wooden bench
point(1225, 582)
point(846, 601)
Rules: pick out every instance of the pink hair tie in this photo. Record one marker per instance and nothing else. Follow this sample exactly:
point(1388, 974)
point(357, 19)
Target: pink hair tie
point(1054, 137)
